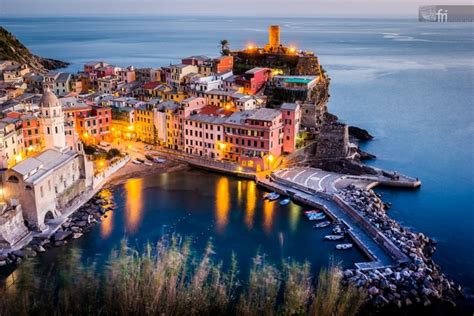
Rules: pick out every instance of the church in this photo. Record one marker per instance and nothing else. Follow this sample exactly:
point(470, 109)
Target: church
point(45, 184)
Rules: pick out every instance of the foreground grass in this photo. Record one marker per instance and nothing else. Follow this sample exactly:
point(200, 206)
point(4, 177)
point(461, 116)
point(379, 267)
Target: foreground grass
point(170, 279)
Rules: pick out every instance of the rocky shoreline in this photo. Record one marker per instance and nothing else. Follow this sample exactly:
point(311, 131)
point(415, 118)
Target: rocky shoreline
point(80, 222)
point(419, 281)
point(88, 215)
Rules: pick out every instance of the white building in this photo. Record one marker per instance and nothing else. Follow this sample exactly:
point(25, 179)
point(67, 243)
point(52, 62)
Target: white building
point(215, 82)
point(46, 183)
point(11, 144)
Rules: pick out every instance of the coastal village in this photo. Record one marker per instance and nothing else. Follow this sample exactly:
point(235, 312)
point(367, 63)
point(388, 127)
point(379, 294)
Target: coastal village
point(257, 112)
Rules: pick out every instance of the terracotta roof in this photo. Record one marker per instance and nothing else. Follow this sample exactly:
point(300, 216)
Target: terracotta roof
point(151, 85)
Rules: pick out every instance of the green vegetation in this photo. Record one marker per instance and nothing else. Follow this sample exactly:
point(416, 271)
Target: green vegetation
point(97, 153)
point(225, 47)
point(170, 279)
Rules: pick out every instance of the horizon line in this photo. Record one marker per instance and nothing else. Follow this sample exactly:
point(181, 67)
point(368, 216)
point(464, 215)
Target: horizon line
point(350, 16)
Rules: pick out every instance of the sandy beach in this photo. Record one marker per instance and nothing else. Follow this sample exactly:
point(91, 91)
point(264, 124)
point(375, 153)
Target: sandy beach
point(131, 170)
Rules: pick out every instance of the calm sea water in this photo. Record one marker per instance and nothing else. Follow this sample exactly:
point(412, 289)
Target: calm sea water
point(410, 84)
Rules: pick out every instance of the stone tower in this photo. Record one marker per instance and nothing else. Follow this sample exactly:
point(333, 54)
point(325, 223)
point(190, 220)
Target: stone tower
point(52, 120)
point(274, 37)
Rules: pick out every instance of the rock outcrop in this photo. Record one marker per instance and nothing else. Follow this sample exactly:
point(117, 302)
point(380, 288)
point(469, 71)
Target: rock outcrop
point(12, 49)
point(359, 133)
point(419, 281)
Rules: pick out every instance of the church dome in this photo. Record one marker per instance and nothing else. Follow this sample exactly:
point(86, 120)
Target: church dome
point(49, 99)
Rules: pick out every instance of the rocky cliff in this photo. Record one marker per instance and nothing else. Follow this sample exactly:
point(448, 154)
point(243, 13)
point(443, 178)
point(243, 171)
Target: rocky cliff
point(12, 49)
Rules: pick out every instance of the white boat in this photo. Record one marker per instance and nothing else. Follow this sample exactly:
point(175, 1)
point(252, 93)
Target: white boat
point(343, 246)
point(316, 217)
point(267, 195)
point(148, 163)
point(322, 224)
point(313, 212)
point(285, 201)
point(159, 160)
point(274, 197)
point(333, 237)
point(136, 162)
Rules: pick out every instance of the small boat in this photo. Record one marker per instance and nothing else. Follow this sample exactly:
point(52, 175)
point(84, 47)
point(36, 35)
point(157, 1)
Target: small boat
point(274, 197)
point(343, 246)
point(136, 162)
point(322, 224)
point(148, 163)
point(285, 201)
point(316, 217)
point(268, 195)
point(140, 160)
point(159, 160)
point(333, 237)
point(313, 212)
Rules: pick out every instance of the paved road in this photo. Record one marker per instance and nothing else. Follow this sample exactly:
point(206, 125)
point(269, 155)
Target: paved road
point(316, 179)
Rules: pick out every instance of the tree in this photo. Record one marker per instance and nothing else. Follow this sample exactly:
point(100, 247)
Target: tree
point(225, 47)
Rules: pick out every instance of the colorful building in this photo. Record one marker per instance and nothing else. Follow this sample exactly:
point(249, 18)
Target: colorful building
point(291, 114)
point(255, 79)
point(254, 139)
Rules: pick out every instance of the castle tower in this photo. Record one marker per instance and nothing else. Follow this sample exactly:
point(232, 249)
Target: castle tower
point(274, 36)
point(52, 120)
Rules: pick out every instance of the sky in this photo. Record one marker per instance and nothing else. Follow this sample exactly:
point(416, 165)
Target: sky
point(287, 8)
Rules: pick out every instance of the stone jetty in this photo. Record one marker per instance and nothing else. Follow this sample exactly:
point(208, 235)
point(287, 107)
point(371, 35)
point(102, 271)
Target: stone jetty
point(419, 281)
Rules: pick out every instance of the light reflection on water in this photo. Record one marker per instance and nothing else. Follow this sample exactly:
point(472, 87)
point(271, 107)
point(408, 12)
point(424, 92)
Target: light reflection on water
point(204, 207)
point(222, 203)
point(107, 223)
point(251, 202)
point(268, 215)
point(295, 215)
point(133, 204)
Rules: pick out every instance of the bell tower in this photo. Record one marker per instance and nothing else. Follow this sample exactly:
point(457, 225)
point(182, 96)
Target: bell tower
point(52, 119)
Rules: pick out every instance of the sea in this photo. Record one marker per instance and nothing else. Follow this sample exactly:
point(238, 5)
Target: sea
point(410, 84)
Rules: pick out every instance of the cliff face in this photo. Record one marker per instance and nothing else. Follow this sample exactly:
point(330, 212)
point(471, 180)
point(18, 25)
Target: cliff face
point(12, 49)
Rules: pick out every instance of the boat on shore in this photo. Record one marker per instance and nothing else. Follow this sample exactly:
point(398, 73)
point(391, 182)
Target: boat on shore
point(322, 224)
point(285, 201)
point(159, 160)
point(343, 246)
point(148, 163)
point(333, 237)
point(136, 162)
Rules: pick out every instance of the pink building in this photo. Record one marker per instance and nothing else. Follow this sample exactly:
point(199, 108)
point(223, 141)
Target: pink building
point(175, 120)
point(254, 79)
point(203, 134)
point(92, 66)
point(254, 139)
point(291, 113)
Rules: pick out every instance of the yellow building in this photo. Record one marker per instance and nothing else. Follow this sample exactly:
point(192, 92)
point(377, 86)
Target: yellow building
point(144, 124)
point(175, 96)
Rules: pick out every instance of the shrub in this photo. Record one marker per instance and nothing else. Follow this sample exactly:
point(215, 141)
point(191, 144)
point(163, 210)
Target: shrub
point(169, 279)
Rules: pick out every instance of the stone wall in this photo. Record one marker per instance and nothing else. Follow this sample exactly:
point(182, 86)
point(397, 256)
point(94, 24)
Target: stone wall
point(12, 227)
point(333, 141)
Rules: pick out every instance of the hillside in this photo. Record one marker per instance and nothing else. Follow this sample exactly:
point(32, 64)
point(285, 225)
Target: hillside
point(12, 49)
